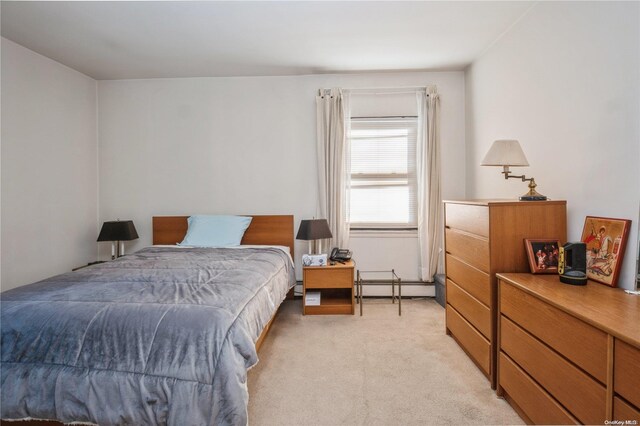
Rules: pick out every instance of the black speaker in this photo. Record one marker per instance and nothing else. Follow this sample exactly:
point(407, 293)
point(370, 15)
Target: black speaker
point(572, 264)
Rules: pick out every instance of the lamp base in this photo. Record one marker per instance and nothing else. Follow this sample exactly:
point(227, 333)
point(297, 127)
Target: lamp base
point(533, 195)
point(528, 197)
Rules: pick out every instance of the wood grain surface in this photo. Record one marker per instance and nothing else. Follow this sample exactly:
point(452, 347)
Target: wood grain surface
point(627, 371)
point(530, 397)
point(578, 341)
point(470, 339)
point(475, 312)
point(473, 280)
point(469, 218)
point(470, 248)
point(609, 309)
point(580, 394)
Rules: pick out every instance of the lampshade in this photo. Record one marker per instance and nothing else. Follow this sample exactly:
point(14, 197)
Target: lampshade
point(119, 230)
point(314, 229)
point(505, 152)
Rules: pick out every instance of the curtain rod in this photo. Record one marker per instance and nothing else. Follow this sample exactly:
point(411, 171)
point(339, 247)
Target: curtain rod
point(387, 89)
point(381, 90)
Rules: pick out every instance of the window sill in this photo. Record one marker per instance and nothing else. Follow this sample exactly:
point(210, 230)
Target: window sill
point(378, 233)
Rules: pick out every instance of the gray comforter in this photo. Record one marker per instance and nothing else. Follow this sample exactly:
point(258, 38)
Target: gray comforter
point(162, 336)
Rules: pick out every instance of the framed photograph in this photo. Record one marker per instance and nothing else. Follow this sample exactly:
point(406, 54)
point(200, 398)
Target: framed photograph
point(542, 255)
point(606, 239)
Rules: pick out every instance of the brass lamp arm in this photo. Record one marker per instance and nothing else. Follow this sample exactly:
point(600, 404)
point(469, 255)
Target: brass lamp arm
point(508, 175)
point(532, 195)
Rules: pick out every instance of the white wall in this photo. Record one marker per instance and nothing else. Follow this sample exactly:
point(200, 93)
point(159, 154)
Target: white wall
point(565, 82)
point(242, 145)
point(49, 175)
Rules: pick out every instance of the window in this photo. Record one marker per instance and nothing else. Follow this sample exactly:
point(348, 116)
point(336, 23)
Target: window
point(383, 173)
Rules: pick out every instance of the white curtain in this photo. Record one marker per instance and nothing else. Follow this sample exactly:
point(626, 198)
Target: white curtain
point(332, 114)
point(428, 174)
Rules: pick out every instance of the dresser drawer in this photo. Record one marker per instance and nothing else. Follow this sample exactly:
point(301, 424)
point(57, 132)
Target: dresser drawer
point(470, 248)
point(581, 343)
point(472, 280)
point(623, 411)
point(466, 217)
point(328, 278)
point(471, 340)
point(576, 391)
point(626, 375)
point(472, 310)
point(536, 403)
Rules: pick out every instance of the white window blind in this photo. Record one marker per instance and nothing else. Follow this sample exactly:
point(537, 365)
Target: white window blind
point(383, 173)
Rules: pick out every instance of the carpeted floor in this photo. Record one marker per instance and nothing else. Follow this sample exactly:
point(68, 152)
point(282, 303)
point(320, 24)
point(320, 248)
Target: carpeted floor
point(378, 369)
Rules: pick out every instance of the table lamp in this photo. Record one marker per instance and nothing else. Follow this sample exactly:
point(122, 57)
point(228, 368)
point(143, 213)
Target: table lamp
point(313, 230)
point(508, 153)
point(118, 231)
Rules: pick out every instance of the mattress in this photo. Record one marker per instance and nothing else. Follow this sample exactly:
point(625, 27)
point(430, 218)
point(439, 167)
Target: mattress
point(162, 336)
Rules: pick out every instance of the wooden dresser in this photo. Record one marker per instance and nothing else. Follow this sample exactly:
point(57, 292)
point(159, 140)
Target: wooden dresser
point(483, 237)
point(568, 354)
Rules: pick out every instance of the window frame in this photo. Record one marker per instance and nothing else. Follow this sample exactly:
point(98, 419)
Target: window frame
point(401, 229)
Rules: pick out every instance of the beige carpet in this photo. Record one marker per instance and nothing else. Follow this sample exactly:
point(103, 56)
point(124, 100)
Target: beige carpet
point(378, 369)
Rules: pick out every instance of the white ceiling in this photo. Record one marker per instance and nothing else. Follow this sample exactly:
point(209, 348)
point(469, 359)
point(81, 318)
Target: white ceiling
point(116, 40)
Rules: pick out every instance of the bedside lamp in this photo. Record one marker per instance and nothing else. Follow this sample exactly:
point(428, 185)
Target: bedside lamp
point(312, 230)
point(508, 153)
point(117, 232)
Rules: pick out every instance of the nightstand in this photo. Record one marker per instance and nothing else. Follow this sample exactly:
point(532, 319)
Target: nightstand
point(335, 285)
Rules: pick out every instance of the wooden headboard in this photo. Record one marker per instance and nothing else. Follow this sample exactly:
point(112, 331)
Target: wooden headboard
point(274, 230)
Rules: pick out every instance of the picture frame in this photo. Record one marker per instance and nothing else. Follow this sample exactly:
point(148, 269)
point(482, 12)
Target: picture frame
point(606, 240)
point(543, 255)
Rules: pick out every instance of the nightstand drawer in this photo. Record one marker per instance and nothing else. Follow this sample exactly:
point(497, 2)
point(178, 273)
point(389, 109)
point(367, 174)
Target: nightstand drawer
point(326, 277)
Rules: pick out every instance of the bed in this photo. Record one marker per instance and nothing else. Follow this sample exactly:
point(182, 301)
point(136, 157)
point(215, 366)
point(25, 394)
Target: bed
point(162, 336)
